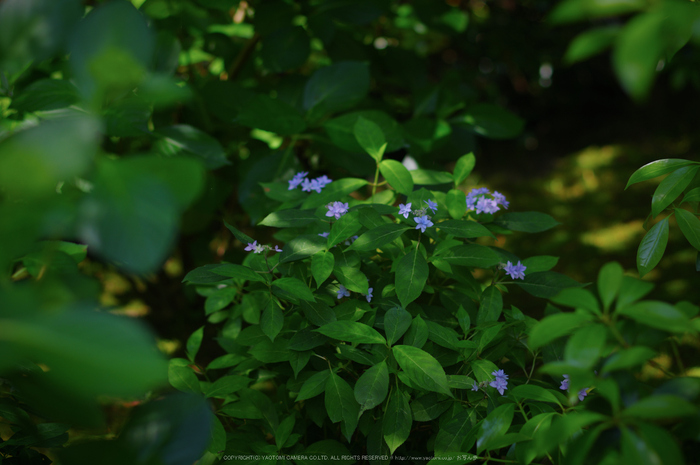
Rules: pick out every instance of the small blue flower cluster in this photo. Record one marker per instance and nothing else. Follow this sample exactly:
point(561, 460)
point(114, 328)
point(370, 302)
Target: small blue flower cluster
point(565, 387)
point(477, 200)
point(421, 218)
point(308, 185)
point(343, 292)
point(337, 209)
point(500, 382)
point(515, 271)
point(259, 248)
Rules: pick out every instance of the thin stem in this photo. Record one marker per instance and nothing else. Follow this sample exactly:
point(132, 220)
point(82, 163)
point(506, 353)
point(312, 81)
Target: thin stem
point(243, 56)
point(376, 178)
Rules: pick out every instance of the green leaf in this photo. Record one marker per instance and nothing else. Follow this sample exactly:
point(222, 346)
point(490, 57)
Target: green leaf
point(417, 334)
point(302, 247)
point(609, 282)
point(546, 284)
point(306, 339)
point(585, 346)
point(540, 263)
point(334, 192)
point(272, 320)
point(373, 386)
point(411, 276)
point(295, 287)
point(531, 222)
point(490, 306)
point(428, 407)
point(431, 178)
point(313, 386)
point(652, 247)
point(194, 342)
point(659, 315)
point(637, 451)
point(45, 95)
point(671, 187)
point(690, 226)
point(555, 326)
point(344, 228)
point(322, 266)
point(590, 43)
point(692, 195)
point(226, 361)
point(626, 359)
point(245, 239)
point(577, 298)
point(370, 136)
point(577, 10)
point(482, 370)
point(661, 406)
point(224, 387)
point(181, 377)
point(377, 237)
point(179, 139)
point(472, 255)
point(352, 331)
point(494, 426)
point(456, 202)
point(396, 322)
point(422, 369)
point(532, 392)
point(397, 421)
point(656, 168)
point(318, 313)
point(493, 121)
point(463, 168)
point(466, 229)
point(341, 404)
point(289, 218)
point(397, 175)
point(442, 336)
point(285, 48)
point(271, 352)
point(631, 290)
point(353, 279)
point(231, 270)
point(337, 87)
point(341, 130)
point(272, 115)
point(284, 430)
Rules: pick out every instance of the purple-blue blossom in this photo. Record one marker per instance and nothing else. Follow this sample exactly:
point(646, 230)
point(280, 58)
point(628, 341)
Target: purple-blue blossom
point(500, 199)
point(565, 387)
point(432, 205)
point(422, 222)
point(254, 247)
point(500, 382)
point(277, 249)
point(484, 205)
point(369, 294)
point(323, 181)
point(324, 234)
point(405, 210)
point(297, 179)
point(475, 387)
point(515, 271)
point(342, 291)
point(337, 209)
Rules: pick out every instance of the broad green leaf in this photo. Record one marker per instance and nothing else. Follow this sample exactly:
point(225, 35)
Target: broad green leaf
point(245, 239)
point(532, 392)
point(540, 263)
point(530, 222)
point(555, 326)
point(340, 404)
point(377, 237)
point(397, 175)
point(299, 360)
point(463, 168)
point(577, 298)
point(482, 370)
point(294, 287)
point(273, 115)
point(353, 279)
point(344, 228)
point(661, 406)
point(289, 218)
point(494, 426)
point(373, 386)
point(493, 121)
point(463, 319)
point(231, 270)
point(659, 315)
point(585, 346)
point(352, 331)
point(577, 10)
point(417, 334)
point(226, 361)
point(341, 130)
point(456, 201)
point(422, 369)
point(302, 247)
point(431, 178)
point(46, 94)
point(313, 386)
point(472, 255)
point(181, 377)
point(546, 284)
point(396, 322)
point(272, 320)
point(453, 434)
point(284, 430)
point(429, 406)
point(490, 306)
point(442, 336)
point(652, 247)
point(411, 276)
point(466, 229)
point(271, 352)
point(185, 139)
point(321, 266)
point(690, 226)
point(631, 290)
point(370, 137)
point(306, 339)
point(636, 451)
point(692, 195)
point(590, 43)
point(333, 192)
point(318, 313)
point(626, 359)
point(227, 385)
point(397, 421)
point(671, 187)
point(609, 282)
point(285, 48)
point(656, 168)
point(337, 87)
point(194, 342)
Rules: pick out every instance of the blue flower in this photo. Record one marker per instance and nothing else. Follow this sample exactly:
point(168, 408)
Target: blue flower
point(515, 271)
point(486, 205)
point(337, 209)
point(306, 185)
point(342, 291)
point(405, 210)
point(297, 179)
point(324, 234)
point(423, 222)
point(500, 383)
point(500, 199)
point(432, 205)
point(475, 387)
point(255, 247)
point(369, 294)
point(565, 387)
point(277, 249)
point(316, 186)
point(323, 181)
